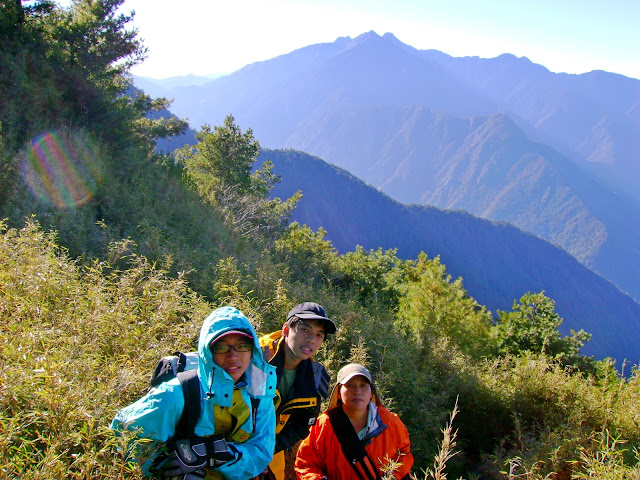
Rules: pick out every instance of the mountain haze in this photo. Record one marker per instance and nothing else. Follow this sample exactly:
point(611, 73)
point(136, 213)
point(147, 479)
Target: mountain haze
point(593, 118)
point(160, 87)
point(502, 138)
point(498, 262)
point(486, 166)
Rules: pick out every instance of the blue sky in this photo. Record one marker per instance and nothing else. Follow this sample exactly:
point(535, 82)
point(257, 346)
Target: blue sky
point(205, 37)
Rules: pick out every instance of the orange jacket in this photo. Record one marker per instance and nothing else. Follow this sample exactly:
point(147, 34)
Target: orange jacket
point(320, 454)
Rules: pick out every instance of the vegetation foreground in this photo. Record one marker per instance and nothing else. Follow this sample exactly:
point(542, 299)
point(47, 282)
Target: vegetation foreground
point(103, 275)
point(79, 341)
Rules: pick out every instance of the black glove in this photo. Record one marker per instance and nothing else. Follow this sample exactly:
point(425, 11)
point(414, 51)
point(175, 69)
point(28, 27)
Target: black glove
point(195, 475)
point(190, 456)
point(218, 451)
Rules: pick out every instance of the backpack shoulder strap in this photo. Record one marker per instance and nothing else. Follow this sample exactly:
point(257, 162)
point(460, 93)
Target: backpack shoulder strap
point(351, 445)
point(255, 402)
point(167, 368)
point(191, 412)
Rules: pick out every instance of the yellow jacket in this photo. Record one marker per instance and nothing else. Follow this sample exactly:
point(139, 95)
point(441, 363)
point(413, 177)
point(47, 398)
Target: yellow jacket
point(298, 412)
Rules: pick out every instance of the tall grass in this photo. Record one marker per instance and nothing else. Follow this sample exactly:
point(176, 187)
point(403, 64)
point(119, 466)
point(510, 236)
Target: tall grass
point(76, 344)
point(78, 341)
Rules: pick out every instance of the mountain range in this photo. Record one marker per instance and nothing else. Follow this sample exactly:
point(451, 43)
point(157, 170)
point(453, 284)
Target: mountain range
point(497, 261)
point(432, 137)
point(503, 138)
point(157, 87)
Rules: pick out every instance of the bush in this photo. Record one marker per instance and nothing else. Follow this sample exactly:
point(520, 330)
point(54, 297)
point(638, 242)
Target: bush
point(77, 344)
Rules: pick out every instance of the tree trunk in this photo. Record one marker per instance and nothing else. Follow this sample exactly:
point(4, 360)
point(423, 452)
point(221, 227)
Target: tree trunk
point(19, 12)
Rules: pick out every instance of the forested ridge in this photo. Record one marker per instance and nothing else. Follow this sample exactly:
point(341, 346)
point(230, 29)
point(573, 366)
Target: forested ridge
point(112, 254)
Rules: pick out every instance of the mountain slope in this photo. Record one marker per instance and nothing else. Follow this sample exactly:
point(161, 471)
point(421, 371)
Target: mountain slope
point(280, 93)
point(488, 167)
point(498, 262)
point(384, 111)
point(594, 117)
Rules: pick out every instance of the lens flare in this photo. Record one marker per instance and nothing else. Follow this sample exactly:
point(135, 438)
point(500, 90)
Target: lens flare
point(61, 169)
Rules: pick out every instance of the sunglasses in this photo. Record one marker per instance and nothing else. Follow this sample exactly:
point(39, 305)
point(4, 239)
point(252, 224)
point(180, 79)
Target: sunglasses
point(220, 349)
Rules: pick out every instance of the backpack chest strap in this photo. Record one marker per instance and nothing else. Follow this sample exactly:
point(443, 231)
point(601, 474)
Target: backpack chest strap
point(351, 445)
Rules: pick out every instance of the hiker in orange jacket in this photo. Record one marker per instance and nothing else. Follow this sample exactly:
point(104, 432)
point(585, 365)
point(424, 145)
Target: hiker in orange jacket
point(357, 426)
point(302, 382)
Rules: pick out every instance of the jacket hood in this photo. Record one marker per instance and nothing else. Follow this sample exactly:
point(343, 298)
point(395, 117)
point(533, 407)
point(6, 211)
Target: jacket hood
point(260, 377)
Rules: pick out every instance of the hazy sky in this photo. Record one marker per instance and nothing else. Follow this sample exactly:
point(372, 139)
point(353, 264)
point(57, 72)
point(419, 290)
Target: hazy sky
point(206, 37)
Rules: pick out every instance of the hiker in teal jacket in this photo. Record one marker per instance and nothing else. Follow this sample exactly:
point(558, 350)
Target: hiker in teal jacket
point(229, 443)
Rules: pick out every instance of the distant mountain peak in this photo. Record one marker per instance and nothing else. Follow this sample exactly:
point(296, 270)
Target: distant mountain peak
point(511, 58)
point(372, 35)
point(368, 35)
point(373, 40)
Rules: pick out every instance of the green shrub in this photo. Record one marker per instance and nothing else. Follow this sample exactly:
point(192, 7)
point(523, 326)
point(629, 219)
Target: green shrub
point(77, 344)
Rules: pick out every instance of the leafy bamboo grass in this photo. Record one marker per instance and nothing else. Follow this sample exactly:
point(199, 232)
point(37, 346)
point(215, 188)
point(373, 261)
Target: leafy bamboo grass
point(73, 342)
point(78, 341)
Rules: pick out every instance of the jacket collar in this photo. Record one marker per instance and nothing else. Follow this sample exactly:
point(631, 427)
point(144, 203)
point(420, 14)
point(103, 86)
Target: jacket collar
point(304, 383)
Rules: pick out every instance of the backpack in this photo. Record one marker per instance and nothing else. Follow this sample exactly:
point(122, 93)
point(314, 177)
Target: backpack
point(185, 367)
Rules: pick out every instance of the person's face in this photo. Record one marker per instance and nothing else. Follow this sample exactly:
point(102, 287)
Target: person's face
point(234, 362)
point(305, 338)
point(355, 394)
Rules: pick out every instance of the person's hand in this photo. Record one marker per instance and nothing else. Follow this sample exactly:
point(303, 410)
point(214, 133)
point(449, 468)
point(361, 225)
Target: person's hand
point(219, 452)
point(191, 456)
point(198, 474)
point(184, 459)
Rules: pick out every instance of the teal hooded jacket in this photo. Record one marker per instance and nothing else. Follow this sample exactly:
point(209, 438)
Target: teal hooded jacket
point(156, 415)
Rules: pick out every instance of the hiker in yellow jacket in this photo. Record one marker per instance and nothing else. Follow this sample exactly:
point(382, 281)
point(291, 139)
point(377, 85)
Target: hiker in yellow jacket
point(302, 382)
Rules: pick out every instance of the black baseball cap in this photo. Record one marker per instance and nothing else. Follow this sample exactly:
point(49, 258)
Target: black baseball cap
point(312, 311)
